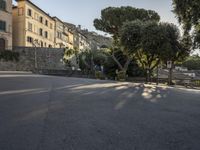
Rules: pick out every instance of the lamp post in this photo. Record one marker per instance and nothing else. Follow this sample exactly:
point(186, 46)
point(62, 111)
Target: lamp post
point(35, 43)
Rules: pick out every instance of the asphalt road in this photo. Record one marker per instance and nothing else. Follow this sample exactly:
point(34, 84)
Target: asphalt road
point(59, 113)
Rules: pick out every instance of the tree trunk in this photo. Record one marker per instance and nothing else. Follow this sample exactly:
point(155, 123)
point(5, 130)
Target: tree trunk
point(117, 62)
point(148, 75)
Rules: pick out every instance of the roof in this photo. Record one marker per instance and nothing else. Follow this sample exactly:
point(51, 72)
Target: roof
point(58, 19)
point(36, 7)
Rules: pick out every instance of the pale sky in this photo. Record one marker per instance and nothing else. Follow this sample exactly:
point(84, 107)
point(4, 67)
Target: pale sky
point(83, 12)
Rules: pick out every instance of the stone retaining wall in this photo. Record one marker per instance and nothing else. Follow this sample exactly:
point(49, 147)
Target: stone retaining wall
point(35, 58)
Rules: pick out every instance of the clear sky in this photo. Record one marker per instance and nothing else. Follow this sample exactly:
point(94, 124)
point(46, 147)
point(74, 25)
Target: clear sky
point(83, 12)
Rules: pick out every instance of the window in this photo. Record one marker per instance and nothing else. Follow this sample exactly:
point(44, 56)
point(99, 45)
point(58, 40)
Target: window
point(2, 25)
point(51, 26)
point(29, 39)
point(41, 32)
point(45, 44)
point(50, 46)
point(46, 34)
point(29, 12)
point(36, 16)
point(59, 35)
point(20, 11)
point(2, 44)
point(30, 26)
point(2, 5)
point(41, 44)
point(46, 22)
point(41, 19)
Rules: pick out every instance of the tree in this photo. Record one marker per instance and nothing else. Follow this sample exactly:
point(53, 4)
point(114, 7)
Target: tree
point(144, 40)
point(192, 62)
point(187, 12)
point(69, 55)
point(174, 48)
point(112, 20)
point(151, 47)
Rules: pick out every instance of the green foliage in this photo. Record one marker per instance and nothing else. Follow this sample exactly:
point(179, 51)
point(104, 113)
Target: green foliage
point(131, 36)
point(9, 55)
point(110, 66)
point(113, 18)
point(112, 21)
point(69, 54)
point(196, 37)
point(175, 48)
point(121, 75)
point(150, 43)
point(99, 75)
point(89, 58)
point(187, 12)
point(192, 63)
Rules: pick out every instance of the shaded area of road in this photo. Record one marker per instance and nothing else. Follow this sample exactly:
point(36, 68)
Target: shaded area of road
point(58, 113)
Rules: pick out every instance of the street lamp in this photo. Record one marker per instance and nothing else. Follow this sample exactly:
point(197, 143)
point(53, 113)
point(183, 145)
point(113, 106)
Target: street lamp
point(35, 43)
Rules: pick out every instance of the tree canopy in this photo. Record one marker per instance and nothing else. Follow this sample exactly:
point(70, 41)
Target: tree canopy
point(112, 21)
point(113, 18)
point(192, 63)
point(187, 12)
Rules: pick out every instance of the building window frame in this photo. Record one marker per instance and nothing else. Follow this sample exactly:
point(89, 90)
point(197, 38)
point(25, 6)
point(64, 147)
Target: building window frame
point(29, 12)
point(20, 11)
point(46, 34)
point(29, 39)
point(3, 5)
point(3, 25)
point(41, 19)
point(46, 23)
point(30, 26)
point(41, 32)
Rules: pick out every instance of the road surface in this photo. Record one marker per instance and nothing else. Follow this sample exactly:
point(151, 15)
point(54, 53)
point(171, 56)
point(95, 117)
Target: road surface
point(59, 113)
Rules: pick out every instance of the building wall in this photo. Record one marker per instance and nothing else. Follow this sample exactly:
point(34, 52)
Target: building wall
point(7, 17)
point(70, 44)
point(60, 34)
point(83, 44)
point(32, 58)
point(27, 20)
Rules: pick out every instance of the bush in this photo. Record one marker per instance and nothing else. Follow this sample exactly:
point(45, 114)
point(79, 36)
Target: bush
point(7, 55)
point(121, 75)
point(99, 75)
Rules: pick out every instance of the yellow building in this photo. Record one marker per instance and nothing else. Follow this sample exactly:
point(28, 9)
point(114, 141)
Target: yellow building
point(32, 26)
point(60, 34)
point(5, 24)
point(63, 35)
point(70, 43)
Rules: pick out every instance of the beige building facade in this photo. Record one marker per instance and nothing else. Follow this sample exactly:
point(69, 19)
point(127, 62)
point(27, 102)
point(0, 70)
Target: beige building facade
point(63, 35)
point(5, 24)
point(60, 34)
point(32, 26)
point(70, 43)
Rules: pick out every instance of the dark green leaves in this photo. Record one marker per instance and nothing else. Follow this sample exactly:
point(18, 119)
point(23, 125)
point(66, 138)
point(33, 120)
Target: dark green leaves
point(113, 18)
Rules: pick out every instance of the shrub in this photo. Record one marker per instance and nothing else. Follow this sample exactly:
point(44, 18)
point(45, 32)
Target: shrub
point(99, 75)
point(121, 75)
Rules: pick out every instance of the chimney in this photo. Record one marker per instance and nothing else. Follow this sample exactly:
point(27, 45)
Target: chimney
point(79, 27)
